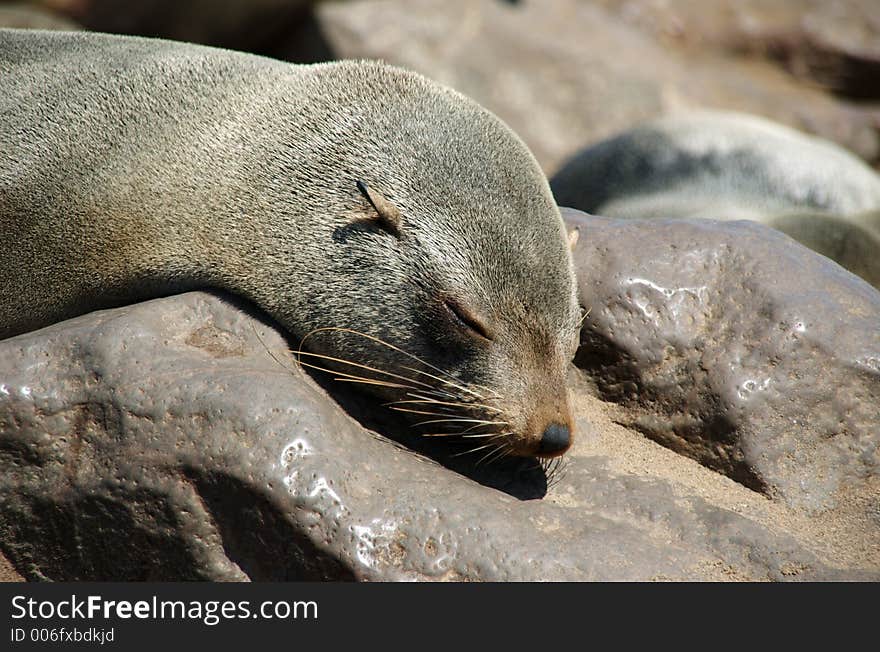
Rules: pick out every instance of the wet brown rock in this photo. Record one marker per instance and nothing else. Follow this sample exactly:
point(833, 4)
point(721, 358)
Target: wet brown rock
point(736, 346)
point(132, 449)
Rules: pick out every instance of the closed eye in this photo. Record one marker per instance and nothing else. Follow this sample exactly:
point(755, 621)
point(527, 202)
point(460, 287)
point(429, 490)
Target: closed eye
point(467, 320)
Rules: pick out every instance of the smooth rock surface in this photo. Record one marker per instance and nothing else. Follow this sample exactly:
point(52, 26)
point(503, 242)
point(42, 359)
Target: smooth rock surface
point(21, 15)
point(729, 166)
point(715, 164)
point(734, 345)
point(251, 25)
point(566, 73)
point(852, 240)
point(835, 43)
point(166, 441)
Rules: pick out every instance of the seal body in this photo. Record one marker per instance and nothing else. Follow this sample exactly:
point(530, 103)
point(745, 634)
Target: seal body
point(132, 168)
point(730, 166)
point(715, 165)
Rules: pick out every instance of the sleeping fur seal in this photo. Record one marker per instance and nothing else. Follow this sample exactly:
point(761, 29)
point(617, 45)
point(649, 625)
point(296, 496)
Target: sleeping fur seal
point(390, 223)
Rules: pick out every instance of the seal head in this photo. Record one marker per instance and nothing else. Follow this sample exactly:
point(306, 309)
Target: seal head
point(403, 233)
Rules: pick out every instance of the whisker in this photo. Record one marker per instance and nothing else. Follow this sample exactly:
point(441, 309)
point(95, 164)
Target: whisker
point(430, 414)
point(370, 381)
point(457, 386)
point(439, 395)
point(494, 394)
point(344, 377)
point(494, 423)
point(457, 434)
point(479, 422)
point(418, 398)
point(352, 378)
point(269, 351)
point(447, 403)
point(360, 366)
point(554, 470)
point(442, 380)
point(475, 450)
point(426, 394)
point(584, 318)
point(383, 343)
point(493, 456)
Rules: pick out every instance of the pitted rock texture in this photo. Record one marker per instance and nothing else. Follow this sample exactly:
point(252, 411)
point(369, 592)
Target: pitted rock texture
point(736, 346)
point(8, 572)
point(176, 439)
point(165, 441)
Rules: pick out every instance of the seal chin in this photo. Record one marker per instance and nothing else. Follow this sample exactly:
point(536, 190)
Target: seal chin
point(555, 440)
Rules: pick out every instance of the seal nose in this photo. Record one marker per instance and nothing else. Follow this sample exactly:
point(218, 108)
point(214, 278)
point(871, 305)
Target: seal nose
point(555, 440)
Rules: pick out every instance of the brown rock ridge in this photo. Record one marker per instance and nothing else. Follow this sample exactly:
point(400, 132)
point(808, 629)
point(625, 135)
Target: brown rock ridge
point(163, 441)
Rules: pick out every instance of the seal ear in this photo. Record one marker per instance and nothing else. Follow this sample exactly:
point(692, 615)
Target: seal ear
point(388, 214)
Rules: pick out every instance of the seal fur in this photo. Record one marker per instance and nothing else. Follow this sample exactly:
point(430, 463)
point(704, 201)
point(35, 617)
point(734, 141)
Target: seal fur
point(132, 168)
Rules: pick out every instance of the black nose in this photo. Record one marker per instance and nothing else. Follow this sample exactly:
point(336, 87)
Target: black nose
point(555, 440)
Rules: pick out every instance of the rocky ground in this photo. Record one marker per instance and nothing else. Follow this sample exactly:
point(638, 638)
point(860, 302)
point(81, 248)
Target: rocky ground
point(726, 430)
point(726, 389)
point(7, 571)
point(565, 73)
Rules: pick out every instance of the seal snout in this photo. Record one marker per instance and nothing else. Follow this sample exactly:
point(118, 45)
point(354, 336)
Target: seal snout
point(555, 440)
